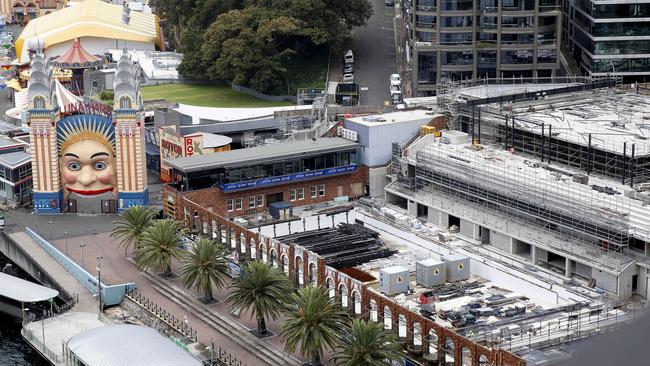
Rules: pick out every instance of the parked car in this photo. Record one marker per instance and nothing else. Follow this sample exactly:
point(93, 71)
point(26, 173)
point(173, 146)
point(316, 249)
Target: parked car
point(395, 80)
point(390, 2)
point(348, 78)
point(348, 68)
point(349, 57)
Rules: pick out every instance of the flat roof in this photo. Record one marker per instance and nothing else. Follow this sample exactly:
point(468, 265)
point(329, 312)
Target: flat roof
point(7, 141)
point(394, 117)
point(15, 159)
point(24, 291)
point(612, 118)
point(232, 114)
point(128, 345)
point(491, 90)
point(241, 157)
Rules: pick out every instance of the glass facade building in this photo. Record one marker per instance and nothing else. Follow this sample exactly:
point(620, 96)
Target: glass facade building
point(454, 40)
point(609, 37)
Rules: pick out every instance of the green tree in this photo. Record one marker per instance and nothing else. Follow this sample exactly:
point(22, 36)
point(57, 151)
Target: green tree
point(262, 290)
point(367, 344)
point(130, 226)
point(312, 323)
point(161, 242)
point(205, 266)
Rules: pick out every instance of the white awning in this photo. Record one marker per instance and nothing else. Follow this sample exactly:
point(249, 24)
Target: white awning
point(24, 291)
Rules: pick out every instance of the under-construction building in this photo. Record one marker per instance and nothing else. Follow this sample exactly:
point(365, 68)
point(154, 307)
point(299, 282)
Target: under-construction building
point(554, 178)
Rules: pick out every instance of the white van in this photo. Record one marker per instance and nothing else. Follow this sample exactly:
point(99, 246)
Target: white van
point(349, 57)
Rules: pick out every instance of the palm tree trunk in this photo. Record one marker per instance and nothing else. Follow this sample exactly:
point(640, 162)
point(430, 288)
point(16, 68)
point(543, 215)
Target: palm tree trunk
point(168, 271)
point(261, 326)
point(315, 359)
point(208, 294)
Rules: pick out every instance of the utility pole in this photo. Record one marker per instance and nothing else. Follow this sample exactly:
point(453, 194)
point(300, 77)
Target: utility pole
point(66, 234)
point(82, 245)
point(99, 282)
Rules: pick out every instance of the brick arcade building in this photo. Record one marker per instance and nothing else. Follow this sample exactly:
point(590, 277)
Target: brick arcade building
point(245, 182)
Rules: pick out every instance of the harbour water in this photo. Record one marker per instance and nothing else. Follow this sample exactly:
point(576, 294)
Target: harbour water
point(14, 350)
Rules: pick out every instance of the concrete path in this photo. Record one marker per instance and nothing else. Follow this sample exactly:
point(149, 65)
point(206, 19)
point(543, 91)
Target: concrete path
point(211, 325)
point(87, 303)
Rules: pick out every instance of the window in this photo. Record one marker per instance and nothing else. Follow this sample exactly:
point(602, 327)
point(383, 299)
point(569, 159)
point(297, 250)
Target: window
point(238, 203)
point(125, 103)
point(260, 200)
point(301, 193)
point(321, 190)
point(314, 191)
point(251, 202)
point(230, 204)
point(292, 195)
point(39, 103)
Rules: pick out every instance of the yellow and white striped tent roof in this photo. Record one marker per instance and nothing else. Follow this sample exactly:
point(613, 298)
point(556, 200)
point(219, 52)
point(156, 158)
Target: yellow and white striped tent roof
point(91, 18)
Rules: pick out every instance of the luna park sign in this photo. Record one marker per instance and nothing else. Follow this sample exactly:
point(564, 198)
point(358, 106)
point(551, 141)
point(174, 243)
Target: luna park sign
point(94, 108)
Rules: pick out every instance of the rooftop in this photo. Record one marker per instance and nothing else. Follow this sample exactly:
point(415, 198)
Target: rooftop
point(612, 118)
point(14, 159)
point(115, 345)
point(90, 18)
point(395, 117)
point(212, 114)
point(24, 291)
point(259, 154)
point(6, 142)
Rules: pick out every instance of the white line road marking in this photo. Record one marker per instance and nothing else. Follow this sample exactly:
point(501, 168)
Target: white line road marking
point(364, 88)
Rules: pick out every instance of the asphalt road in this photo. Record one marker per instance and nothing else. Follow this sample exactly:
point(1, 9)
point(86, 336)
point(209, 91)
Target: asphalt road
point(374, 54)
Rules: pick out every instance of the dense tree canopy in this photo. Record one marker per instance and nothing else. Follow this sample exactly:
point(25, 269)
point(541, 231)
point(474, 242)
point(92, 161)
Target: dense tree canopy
point(250, 42)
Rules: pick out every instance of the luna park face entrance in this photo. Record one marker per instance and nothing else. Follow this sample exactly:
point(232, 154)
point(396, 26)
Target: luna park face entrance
point(106, 207)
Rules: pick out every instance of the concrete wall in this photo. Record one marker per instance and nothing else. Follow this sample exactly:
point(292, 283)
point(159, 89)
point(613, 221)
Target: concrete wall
point(377, 181)
point(434, 216)
point(501, 241)
point(604, 280)
point(111, 295)
point(469, 229)
point(583, 270)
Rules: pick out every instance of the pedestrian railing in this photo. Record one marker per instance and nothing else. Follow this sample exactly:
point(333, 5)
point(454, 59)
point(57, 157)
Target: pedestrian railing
point(159, 312)
point(217, 356)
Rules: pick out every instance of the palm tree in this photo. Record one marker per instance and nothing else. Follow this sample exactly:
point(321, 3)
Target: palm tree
point(160, 243)
point(313, 322)
point(205, 266)
point(367, 344)
point(130, 226)
point(262, 289)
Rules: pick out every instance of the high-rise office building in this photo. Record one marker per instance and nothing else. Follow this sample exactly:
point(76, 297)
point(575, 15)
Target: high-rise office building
point(609, 37)
point(466, 39)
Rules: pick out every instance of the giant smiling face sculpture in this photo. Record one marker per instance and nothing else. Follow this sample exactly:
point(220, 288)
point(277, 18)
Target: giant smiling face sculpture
point(87, 157)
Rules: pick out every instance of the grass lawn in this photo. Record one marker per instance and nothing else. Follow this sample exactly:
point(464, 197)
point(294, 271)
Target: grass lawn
point(205, 96)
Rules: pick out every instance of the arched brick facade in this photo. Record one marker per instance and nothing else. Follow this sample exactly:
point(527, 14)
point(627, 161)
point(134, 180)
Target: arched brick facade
point(183, 206)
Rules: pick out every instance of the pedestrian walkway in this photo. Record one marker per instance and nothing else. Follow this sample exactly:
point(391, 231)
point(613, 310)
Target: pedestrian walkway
point(86, 302)
point(213, 324)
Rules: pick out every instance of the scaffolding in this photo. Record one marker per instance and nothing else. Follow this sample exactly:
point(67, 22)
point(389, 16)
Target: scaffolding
point(537, 194)
point(601, 131)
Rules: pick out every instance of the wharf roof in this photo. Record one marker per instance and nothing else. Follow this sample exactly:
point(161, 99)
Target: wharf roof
point(24, 291)
point(271, 152)
point(128, 345)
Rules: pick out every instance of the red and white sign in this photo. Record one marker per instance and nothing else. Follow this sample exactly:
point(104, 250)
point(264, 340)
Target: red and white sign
point(189, 146)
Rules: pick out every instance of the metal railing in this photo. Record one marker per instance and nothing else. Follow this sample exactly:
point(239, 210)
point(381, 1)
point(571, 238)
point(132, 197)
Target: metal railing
point(159, 312)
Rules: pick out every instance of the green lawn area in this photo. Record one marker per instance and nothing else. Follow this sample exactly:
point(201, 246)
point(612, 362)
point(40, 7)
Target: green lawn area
point(205, 96)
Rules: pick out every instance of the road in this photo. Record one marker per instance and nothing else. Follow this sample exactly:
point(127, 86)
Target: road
point(374, 53)
point(374, 56)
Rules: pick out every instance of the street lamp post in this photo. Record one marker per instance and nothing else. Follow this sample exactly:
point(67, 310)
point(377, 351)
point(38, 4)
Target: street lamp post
point(66, 234)
point(82, 245)
point(43, 329)
point(99, 282)
point(50, 223)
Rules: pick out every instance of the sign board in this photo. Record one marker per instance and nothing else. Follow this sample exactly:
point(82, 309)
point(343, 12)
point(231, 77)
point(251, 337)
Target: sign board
point(283, 179)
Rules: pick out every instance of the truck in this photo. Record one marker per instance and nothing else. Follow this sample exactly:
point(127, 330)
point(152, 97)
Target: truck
point(347, 94)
